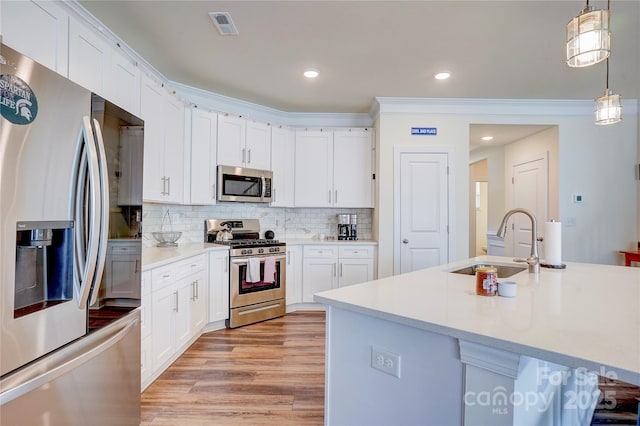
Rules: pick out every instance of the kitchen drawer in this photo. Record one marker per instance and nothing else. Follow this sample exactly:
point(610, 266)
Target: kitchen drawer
point(356, 252)
point(124, 248)
point(320, 252)
point(173, 272)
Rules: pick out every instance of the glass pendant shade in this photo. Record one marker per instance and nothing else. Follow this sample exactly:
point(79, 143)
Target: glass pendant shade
point(588, 38)
point(608, 108)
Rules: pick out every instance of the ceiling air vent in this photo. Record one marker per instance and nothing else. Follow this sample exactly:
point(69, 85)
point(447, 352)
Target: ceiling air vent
point(223, 23)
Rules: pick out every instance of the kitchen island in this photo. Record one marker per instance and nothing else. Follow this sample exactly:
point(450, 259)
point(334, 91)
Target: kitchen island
point(468, 359)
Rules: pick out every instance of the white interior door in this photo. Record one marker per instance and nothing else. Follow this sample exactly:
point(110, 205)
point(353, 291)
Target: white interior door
point(424, 212)
point(529, 191)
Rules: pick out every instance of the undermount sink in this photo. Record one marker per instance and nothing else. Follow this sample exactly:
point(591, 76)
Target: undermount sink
point(503, 271)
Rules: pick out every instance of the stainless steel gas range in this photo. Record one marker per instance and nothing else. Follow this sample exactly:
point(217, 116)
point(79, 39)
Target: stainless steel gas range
point(257, 278)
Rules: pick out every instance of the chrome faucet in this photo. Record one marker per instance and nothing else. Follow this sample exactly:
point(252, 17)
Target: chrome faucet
point(533, 260)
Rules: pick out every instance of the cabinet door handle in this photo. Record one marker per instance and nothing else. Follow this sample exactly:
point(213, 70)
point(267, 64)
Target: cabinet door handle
point(288, 258)
point(249, 156)
point(329, 196)
point(243, 154)
point(335, 199)
point(176, 295)
point(341, 269)
point(405, 241)
point(136, 270)
point(334, 269)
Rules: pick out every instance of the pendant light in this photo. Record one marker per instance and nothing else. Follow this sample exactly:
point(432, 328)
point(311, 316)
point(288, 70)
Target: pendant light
point(608, 106)
point(588, 37)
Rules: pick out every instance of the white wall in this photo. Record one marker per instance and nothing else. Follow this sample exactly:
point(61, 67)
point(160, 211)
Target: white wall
point(597, 161)
point(495, 172)
point(523, 149)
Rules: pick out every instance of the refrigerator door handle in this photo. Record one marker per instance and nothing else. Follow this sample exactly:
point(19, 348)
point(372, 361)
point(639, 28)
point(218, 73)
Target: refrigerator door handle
point(87, 205)
point(103, 214)
point(64, 366)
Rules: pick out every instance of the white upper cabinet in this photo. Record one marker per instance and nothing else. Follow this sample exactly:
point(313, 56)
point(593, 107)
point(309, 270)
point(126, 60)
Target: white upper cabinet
point(231, 140)
point(314, 168)
point(352, 168)
point(163, 116)
point(151, 100)
point(204, 128)
point(243, 143)
point(174, 149)
point(122, 81)
point(103, 68)
point(88, 54)
point(38, 29)
point(283, 165)
point(334, 168)
point(258, 145)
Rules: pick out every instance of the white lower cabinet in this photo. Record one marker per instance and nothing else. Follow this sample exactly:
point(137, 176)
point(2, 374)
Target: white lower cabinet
point(355, 265)
point(146, 363)
point(218, 285)
point(178, 307)
point(319, 270)
point(122, 269)
point(330, 266)
point(294, 275)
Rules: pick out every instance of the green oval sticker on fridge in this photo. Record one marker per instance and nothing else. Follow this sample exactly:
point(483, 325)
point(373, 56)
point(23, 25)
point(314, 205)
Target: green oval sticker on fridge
point(18, 103)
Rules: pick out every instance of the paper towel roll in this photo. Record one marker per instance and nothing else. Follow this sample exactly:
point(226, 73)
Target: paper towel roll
point(553, 243)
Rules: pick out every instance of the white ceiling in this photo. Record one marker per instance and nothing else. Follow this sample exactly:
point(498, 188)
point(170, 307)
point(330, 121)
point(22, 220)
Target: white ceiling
point(363, 49)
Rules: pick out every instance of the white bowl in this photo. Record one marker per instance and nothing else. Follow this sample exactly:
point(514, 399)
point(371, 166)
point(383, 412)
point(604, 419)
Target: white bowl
point(507, 288)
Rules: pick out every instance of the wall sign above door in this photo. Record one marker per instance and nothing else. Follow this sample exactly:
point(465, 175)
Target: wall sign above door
point(424, 131)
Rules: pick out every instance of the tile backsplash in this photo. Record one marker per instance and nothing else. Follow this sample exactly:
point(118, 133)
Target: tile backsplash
point(286, 223)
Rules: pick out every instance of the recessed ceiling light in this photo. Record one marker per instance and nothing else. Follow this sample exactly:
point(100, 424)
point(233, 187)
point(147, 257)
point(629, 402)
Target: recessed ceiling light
point(311, 73)
point(442, 75)
point(487, 138)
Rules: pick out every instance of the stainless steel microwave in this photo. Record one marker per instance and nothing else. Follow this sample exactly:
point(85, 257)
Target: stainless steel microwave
point(246, 185)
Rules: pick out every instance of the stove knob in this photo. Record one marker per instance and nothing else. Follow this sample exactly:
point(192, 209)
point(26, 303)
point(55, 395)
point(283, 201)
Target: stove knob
point(260, 250)
point(243, 251)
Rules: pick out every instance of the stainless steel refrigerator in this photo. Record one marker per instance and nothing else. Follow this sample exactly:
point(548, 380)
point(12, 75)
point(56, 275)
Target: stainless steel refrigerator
point(61, 362)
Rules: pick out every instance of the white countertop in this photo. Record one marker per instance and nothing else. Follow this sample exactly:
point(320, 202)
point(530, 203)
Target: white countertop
point(310, 241)
point(583, 316)
point(152, 257)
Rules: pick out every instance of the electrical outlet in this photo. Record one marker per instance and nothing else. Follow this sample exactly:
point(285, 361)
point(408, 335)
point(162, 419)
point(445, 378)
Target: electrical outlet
point(385, 361)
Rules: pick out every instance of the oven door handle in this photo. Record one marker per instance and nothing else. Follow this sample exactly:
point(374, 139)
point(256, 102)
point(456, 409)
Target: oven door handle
point(243, 260)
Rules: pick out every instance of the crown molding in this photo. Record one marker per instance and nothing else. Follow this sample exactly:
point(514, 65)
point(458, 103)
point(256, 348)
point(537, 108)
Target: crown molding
point(219, 103)
point(504, 107)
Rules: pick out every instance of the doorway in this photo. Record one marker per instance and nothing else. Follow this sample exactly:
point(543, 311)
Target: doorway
point(521, 166)
point(478, 207)
point(422, 203)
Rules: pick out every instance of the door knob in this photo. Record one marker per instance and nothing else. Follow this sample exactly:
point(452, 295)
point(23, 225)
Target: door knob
point(405, 241)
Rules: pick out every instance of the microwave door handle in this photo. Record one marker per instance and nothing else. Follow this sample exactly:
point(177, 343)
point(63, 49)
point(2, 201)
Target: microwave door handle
point(103, 215)
point(264, 186)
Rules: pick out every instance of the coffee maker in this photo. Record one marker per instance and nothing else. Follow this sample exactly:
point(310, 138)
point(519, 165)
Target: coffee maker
point(353, 227)
point(347, 226)
point(344, 226)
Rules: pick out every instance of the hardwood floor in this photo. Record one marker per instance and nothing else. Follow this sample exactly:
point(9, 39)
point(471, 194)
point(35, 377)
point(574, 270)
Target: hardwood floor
point(266, 373)
point(273, 373)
